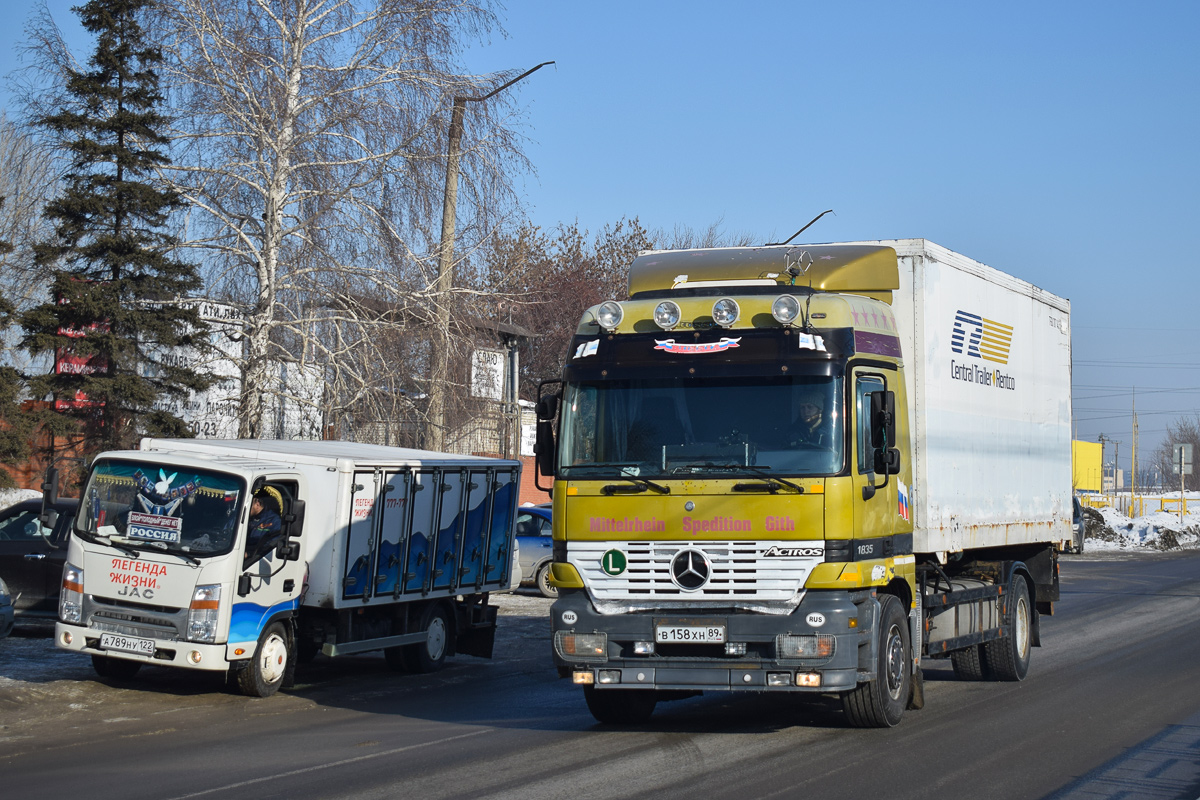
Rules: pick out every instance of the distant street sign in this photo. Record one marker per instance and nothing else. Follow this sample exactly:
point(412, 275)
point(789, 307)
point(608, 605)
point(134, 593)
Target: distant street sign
point(1181, 459)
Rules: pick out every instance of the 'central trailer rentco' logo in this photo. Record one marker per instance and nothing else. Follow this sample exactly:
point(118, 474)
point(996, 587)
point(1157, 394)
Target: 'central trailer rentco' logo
point(981, 338)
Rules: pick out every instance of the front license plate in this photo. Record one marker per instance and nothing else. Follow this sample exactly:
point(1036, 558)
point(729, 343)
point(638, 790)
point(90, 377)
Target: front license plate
point(127, 644)
point(690, 634)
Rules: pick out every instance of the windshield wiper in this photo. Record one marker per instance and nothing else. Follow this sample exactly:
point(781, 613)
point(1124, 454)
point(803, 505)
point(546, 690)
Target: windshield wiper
point(641, 485)
point(163, 546)
point(127, 550)
point(770, 483)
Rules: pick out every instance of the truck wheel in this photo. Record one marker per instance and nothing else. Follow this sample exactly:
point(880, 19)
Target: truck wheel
point(116, 668)
point(620, 706)
point(969, 664)
point(430, 655)
point(880, 703)
point(263, 675)
point(543, 583)
point(1008, 656)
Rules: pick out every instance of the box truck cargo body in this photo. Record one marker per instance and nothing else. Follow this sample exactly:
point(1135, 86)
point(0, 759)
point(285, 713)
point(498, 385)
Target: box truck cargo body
point(249, 555)
point(804, 468)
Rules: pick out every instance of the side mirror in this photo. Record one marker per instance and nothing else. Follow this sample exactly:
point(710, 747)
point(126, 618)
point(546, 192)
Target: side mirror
point(49, 517)
point(543, 447)
point(883, 420)
point(887, 462)
point(243, 587)
point(288, 551)
point(547, 408)
point(293, 519)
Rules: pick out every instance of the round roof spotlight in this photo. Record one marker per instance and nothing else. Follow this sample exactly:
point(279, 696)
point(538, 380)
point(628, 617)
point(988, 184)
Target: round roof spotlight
point(667, 314)
point(609, 315)
point(785, 309)
point(725, 312)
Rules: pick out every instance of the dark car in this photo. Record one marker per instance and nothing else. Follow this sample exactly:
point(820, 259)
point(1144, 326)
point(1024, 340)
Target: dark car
point(6, 610)
point(1078, 527)
point(32, 556)
point(533, 534)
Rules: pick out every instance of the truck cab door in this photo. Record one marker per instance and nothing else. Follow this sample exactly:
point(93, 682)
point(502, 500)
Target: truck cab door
point(874, 518)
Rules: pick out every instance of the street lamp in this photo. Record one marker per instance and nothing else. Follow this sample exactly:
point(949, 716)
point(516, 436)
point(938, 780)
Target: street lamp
point(440, 358)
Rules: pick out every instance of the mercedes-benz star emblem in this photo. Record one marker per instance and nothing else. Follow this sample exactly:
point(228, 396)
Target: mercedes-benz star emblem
point(690, 570)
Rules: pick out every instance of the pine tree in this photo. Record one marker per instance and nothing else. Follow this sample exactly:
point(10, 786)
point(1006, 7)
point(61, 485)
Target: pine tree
point(114, 310)
point(15, 427)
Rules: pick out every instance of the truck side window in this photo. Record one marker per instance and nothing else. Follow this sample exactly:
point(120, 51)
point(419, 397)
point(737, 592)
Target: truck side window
point(864, 386)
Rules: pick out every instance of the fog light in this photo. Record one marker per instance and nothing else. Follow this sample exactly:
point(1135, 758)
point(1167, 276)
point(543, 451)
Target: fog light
point(667, 315)
point(643, 648)
point(725, 312)
point(194, 656)
point(809, 679)
point(67, 638)
point(583, 678)
point(785, 309)
point(779, 679)
point(819, 646)
point(609, 315)
point(735, 648)
point(609, 676)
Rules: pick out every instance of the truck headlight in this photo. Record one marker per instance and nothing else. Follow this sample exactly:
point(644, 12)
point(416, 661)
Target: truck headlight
point(573, 646)
point(70, 598)
point(819, 646)
point(203, 613)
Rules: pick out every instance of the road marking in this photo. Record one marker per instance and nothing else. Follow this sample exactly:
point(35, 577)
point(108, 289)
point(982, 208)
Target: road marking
point(330, 765)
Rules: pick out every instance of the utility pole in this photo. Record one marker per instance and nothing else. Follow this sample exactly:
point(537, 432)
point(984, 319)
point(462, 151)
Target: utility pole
point(1133, 466)
point(440, 357)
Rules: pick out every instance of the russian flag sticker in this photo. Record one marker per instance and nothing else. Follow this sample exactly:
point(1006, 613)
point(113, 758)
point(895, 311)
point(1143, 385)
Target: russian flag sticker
point(902, 499)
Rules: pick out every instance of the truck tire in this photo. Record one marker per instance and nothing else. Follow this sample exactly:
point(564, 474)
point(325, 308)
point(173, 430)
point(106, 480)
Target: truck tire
point(1008, 656)
point(430, 655)
point(117, 669)
point(263, 674)
point(880, 703)
point(543, 583)
point(620, 706)
point(970, 664)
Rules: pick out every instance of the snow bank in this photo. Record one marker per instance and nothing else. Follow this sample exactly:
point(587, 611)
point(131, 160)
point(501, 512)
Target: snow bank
point(1159, 530)
point(10, 497)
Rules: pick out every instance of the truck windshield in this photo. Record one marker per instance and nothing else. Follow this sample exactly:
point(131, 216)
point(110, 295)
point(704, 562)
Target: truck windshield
point(146, 506)
point(788, 425)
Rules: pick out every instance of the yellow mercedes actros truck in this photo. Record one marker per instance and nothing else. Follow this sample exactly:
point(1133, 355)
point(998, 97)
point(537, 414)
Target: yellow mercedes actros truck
point(807, 469)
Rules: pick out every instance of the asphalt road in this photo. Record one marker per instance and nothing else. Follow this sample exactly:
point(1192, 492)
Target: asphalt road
point(1111, 708)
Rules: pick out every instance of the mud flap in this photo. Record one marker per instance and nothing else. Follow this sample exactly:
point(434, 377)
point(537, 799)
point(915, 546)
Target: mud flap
point(916, 700)
point(477, 633)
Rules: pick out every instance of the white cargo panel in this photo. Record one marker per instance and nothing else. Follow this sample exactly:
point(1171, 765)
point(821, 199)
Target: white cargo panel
point(988, 358)
point(386, 524)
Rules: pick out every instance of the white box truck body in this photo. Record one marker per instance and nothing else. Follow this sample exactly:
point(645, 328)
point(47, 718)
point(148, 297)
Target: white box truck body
point(370, 548)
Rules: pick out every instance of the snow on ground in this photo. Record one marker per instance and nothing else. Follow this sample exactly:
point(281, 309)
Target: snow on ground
point(1156, 530)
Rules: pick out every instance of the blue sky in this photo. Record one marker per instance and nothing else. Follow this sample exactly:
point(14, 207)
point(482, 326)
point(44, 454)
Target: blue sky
point(1057, 141)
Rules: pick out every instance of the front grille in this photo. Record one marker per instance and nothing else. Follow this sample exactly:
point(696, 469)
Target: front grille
point(133, 619)
point(741, 570)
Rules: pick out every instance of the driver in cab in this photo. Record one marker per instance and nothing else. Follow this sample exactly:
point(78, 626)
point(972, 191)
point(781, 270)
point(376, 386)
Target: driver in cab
point(265, 523)
point(812, 428)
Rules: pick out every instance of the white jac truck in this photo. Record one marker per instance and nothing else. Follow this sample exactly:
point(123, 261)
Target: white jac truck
point(371, 548)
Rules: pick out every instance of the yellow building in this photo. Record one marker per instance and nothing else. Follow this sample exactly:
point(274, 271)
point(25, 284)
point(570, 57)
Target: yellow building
point(1086, 466)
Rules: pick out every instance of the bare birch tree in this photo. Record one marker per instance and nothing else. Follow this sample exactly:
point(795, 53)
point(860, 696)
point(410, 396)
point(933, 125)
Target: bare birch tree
point(27, 179)
point(310, 145)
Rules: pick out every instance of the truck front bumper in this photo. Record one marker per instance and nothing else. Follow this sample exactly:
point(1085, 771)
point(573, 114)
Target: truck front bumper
point(167, 653)
point(629, 654)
